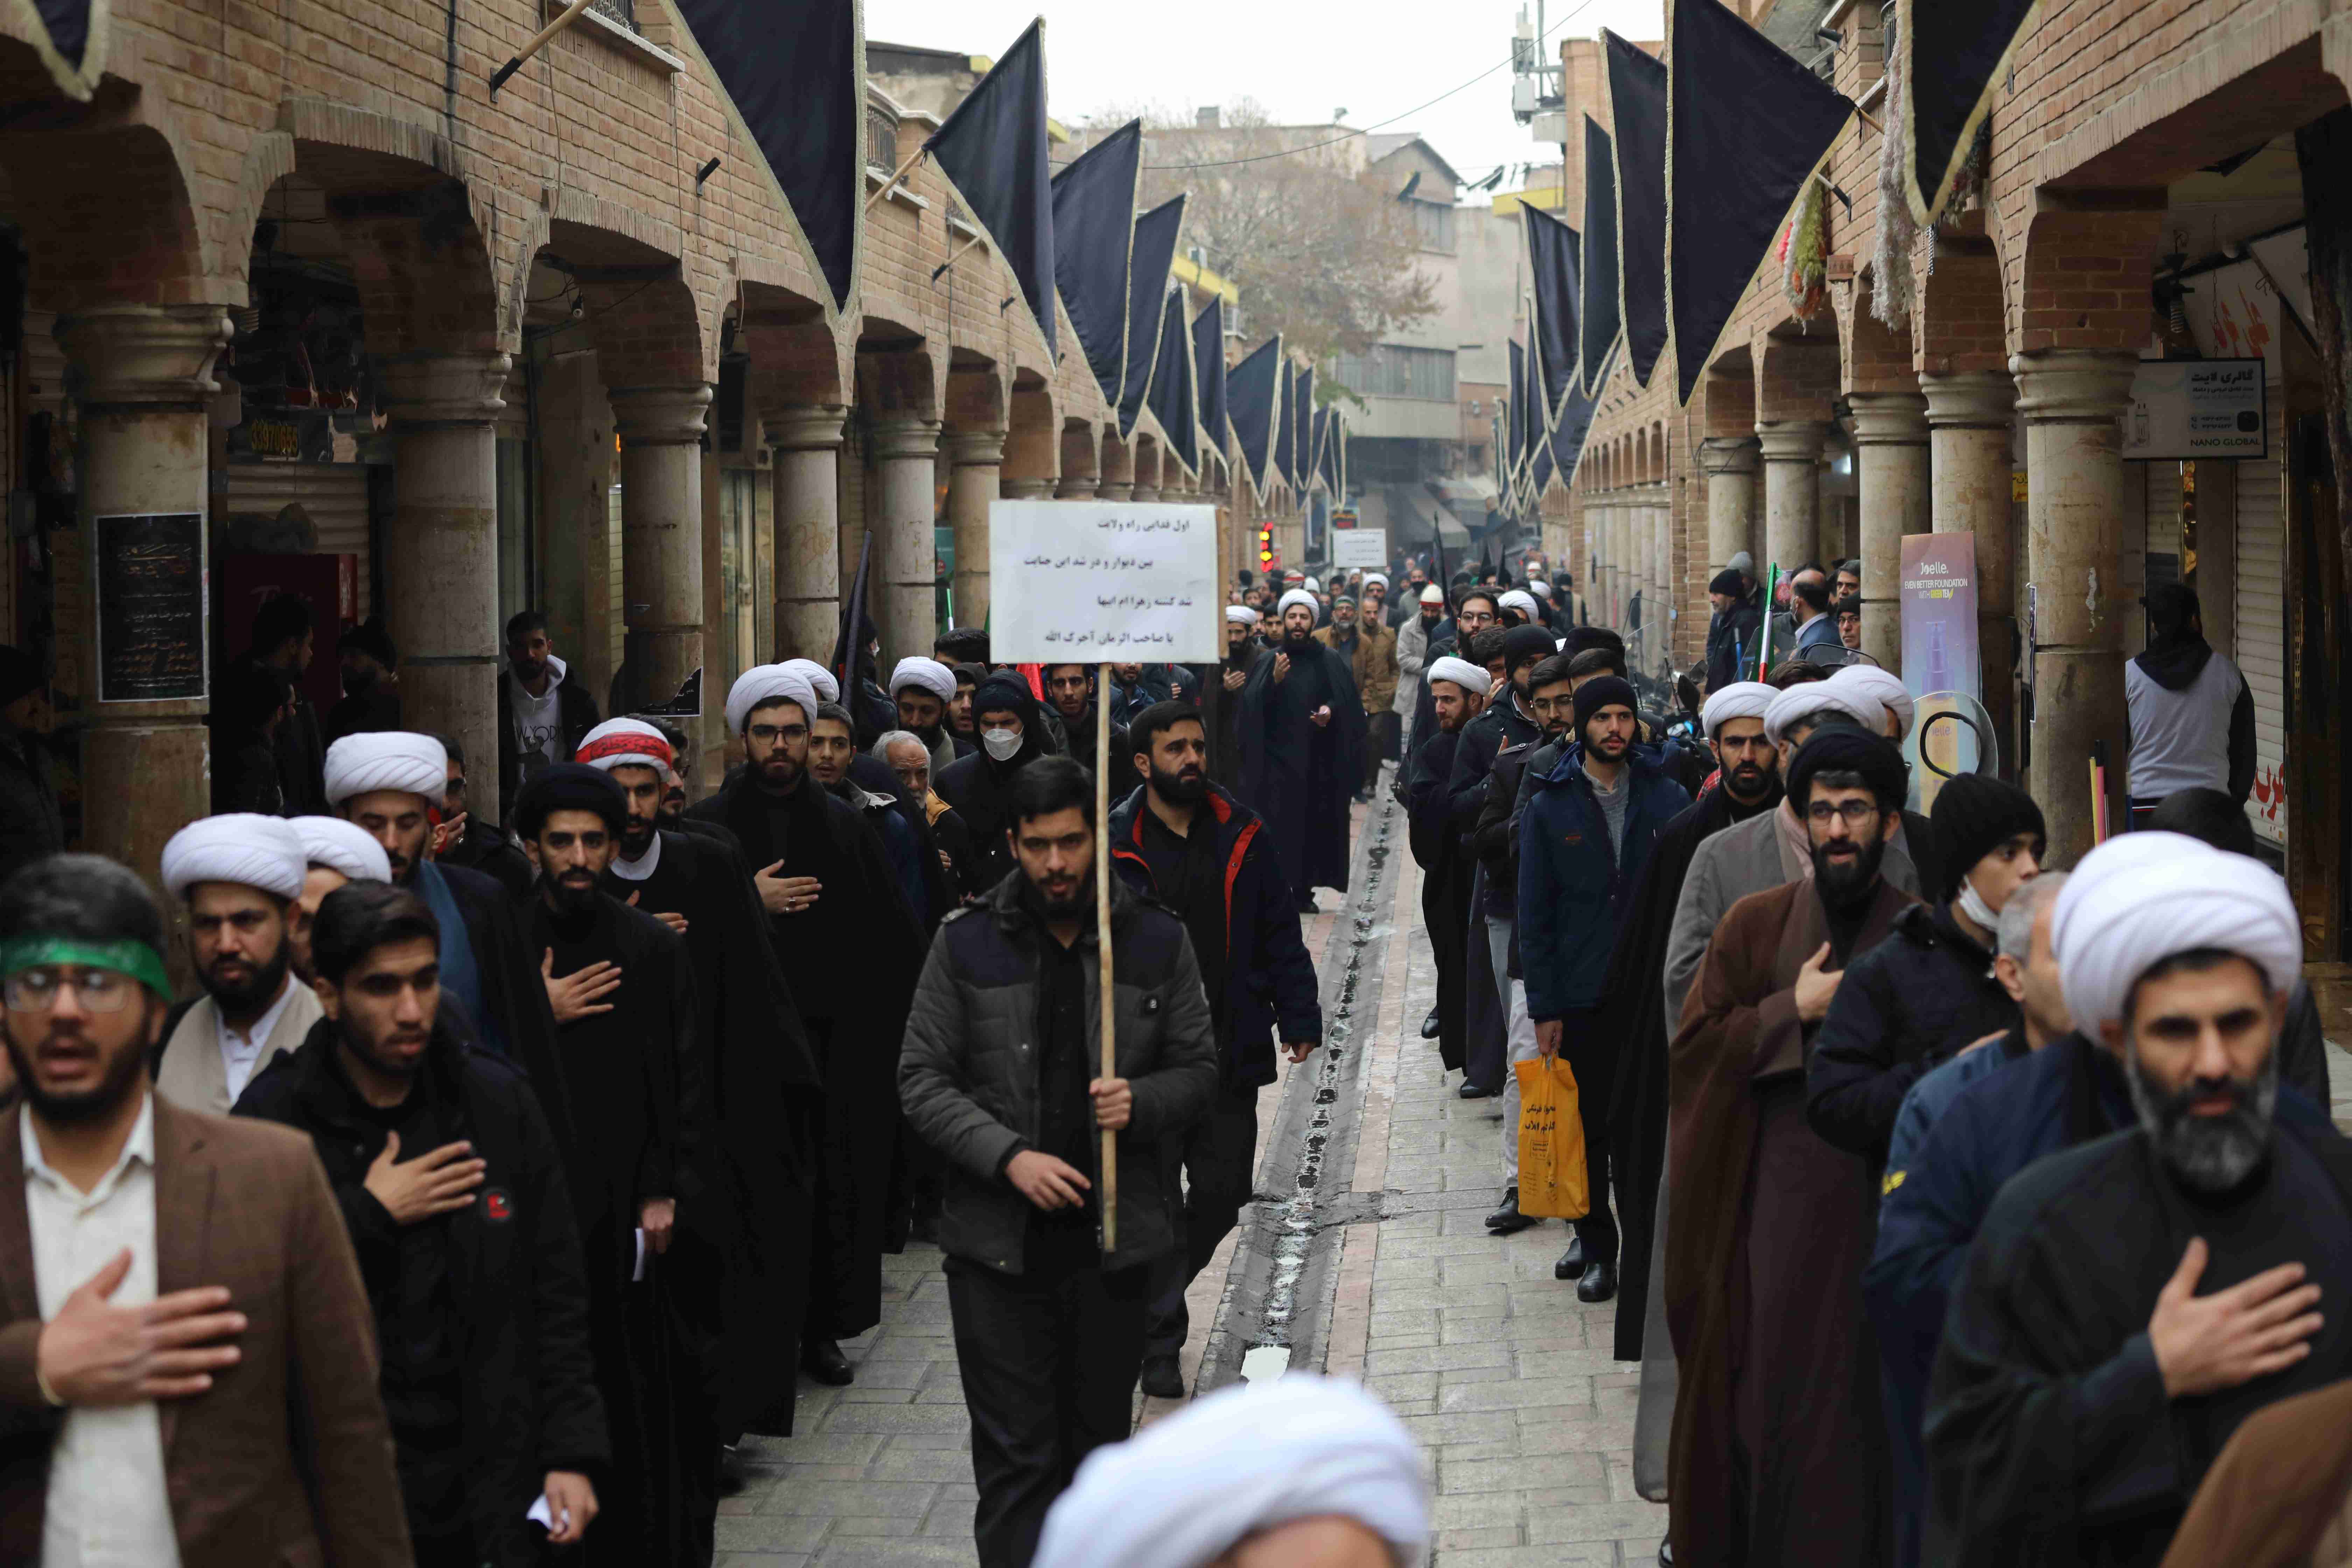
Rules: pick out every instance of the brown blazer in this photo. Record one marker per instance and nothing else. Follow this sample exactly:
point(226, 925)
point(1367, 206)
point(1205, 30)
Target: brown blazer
point(287, 1461)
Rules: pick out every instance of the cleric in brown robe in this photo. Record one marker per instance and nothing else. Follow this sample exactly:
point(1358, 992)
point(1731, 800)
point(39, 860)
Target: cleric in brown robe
point(1779, 1454)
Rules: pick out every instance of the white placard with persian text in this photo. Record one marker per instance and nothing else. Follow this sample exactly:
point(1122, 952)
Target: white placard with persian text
point(1103, 583)
point(1364, 547)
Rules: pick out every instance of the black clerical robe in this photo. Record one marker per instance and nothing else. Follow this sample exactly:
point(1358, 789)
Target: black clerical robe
point(1296, 774)
point(2050, 1437)
point(851, 960)
point(1636, 1003)
point(744, 1234)
point(1225, 710)
point(1446, 876)
point(1778, 1453)
point(634, 1076)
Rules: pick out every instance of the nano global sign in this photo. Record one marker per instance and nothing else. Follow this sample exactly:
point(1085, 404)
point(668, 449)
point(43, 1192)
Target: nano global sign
point(2198, 408)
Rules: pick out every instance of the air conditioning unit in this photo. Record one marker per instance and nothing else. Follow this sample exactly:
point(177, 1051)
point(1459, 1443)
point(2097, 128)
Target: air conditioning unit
point(1523, 97)
point(1551, 127)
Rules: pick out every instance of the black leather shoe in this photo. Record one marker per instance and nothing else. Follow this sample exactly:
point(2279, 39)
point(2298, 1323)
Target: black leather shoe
point(1600, 1282)
point(1163, 1379)
point(1507, 1220)
point(1571, 1262)
point(822, 1359)
point(1476, 1092)
point(1429, 1025)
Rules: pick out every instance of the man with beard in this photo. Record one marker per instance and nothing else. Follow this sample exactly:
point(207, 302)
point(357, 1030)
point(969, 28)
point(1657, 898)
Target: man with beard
point(1930, 990)
point(1748, 784)
point(1199, 851)
point(2129, 1303)
point(1070, 688)
point(1369, 650)
point(1012, 737)
point(742, 1243)
point(1510, 656)
point(917, 875)
point(469, 1245)
point(188, 1365)
point(1424, 636)
point(1585, 838)
point(1459, 689)
point(283, 641)
point(902, 752)
point(634, 1066)
point(334, 852)
point(1302, 738)
point(371, 699)
point(921, 688)
point(1001, 1075)
point(541, 713)
point(239, 876)
point(1241, 653)
point(1730, 628)
point(389, 785)
point(1778, 1452)
point(461, 838)
point(849, 949)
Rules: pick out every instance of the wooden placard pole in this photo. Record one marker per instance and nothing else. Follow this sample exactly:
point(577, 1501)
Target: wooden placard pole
point(1108, 1188)
point(961, 252)
point(896, 174)
point(571, 14)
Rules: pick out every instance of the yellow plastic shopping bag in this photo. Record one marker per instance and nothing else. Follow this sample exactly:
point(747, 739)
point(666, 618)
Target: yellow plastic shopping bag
point(1551, 1142)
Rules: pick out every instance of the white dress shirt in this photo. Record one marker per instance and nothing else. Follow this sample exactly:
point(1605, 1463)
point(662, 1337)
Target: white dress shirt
point(241, 1053)
point(108, 1503)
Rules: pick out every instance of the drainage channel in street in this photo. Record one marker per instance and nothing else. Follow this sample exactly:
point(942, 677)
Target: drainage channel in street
point(1275, 1314)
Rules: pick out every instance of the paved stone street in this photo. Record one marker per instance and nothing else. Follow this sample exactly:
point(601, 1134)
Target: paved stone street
point(1500, 1373)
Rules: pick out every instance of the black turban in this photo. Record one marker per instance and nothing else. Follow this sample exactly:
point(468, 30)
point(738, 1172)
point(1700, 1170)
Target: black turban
point(1580, 639)
point(1975, 815)
point(570, 786)
point(1525, 644)
point(1844, 749)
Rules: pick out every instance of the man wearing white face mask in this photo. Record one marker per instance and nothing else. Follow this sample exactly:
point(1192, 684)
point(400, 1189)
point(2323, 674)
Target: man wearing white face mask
point(1012, 734)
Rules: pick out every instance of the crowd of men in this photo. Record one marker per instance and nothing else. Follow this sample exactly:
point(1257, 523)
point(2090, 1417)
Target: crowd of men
point(1957, 1208)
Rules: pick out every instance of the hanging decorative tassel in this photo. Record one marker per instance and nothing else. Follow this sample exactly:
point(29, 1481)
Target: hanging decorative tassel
point(1804, 253)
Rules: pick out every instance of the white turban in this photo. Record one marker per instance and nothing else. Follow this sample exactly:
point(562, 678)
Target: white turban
point(928, 673)
point(1372, 577)
point(2139, 899)
point(1885, 685)
point(345, 847)
point(390, 759)
point(1542, 588)
point(1312, 584)
point(819, 678)
point(1740, 700)
point(1298, 596)
point(1803, 702)
point(1432, 595)
point(626, 744)
point(1462, 673)
point(768, 683)
point(242, 846)
point(1519, 599)
point(1184, 1491)
point(1241, 615)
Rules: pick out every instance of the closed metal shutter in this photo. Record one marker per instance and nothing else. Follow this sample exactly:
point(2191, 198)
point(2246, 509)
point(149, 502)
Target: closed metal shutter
point(2261, 653)
point(335, 494)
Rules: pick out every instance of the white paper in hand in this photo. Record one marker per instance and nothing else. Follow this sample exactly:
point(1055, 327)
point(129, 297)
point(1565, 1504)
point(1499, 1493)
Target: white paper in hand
point(544, 1517)
point(638, 1270)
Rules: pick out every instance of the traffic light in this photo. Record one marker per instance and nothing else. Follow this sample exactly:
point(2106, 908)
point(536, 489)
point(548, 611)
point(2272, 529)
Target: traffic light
point(1264, 547)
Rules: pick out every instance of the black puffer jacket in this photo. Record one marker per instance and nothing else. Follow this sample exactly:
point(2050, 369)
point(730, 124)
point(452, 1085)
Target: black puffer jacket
point(1906, 1005)
point(977, 785)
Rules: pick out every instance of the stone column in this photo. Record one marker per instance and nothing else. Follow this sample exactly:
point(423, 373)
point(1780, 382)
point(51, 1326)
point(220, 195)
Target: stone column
point(2074, 401)
point(975, 458)
point(1662, 546)
point(1118, 470)
point(1792, 450)
point(1890, 455)
point(661, 536)
point(1075, 487)
point(1729, 464)
point(147, 373)
point(899, 514)
point(807, 480)
point(1971, 421)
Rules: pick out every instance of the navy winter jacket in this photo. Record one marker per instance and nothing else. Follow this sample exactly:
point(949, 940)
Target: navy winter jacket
point(1573, 887)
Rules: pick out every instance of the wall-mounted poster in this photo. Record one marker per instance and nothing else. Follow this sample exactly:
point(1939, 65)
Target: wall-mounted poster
point(149, 573)
point(2198, 408)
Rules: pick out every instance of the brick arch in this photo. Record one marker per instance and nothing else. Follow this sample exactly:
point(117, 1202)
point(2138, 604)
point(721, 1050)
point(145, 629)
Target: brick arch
point(2084, 279)
point(900, 371)
point(798, 359)
point(1033, 427)
point(1961, 317)
point(1148, 453)
point(977, 394)
point(1081, 448)
point(1796, 375)
point(1657, 451)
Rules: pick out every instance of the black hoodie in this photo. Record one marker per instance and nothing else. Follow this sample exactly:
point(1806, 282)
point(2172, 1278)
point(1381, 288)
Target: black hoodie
point(976, 786)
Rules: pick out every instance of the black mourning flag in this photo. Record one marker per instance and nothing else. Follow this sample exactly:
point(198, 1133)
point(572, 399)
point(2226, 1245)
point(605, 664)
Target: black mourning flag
point(1968, 49)
point(1554, 262)
point(1285, 425)
point(1094, 238)
point(1320, 465)
point(1155, 248)
point(857, 627)
point(1302, 419)
point(1209, 368)
point(1521, 402)
point(794, 83)
point(1598, 321)
point(1339, 445)
point(71, 36)
point(1253, 394)
point(1567, 437)
point(1637, 112)
point(993, 149)
point(1751, 127)
point(1175, 398)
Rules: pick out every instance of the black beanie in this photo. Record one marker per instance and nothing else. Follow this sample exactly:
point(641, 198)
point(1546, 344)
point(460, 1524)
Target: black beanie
point(1727, 582)
point(1845, 748)
point(571, 786)
point(1602, 692)
point(1975, 815)
point(1525, 644)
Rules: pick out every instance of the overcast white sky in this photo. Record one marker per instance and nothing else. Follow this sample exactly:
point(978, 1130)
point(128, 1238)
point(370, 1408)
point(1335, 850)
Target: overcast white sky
point(1301, 58)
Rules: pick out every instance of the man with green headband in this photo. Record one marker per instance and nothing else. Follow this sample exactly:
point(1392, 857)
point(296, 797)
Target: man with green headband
point(108, 1332)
